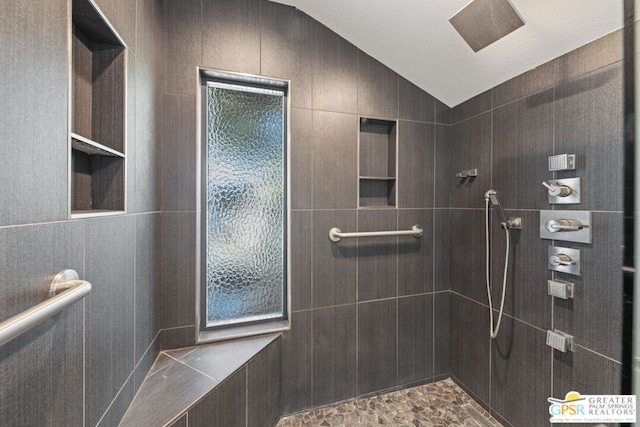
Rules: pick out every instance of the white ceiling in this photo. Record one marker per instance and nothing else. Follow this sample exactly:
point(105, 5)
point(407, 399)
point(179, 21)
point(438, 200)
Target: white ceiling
point(415, 38)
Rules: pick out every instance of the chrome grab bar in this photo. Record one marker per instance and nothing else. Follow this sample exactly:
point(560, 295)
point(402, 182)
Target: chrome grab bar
point(335, 234)
point(65, 289)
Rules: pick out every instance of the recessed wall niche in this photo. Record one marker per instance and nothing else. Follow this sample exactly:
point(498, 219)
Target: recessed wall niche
point(377, 142)
point(97, 111)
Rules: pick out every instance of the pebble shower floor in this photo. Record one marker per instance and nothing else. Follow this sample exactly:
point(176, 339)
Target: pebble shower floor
point(442, 403)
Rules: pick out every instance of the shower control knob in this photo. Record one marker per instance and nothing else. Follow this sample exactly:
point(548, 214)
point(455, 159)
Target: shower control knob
point(557, 190)
point(561, 259)
point(560, 225)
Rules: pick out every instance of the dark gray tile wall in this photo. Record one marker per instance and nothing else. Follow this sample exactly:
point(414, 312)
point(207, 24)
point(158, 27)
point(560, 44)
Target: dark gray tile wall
point(284, 29)
point(470, 347)
point(227, 406)
point(334, 354)
point(595, 314)
point(441, 334)
point(415, 338)
point(182, 422)
point(377, 88)
point(585, 370)
point(231, 35)
point(538, 80)
point(570, 105)
point(301, 259)
point(238, 385)
point(443, 167)
point(520, 371)
point(110, 310)
point(27, 259)
point(335, 149)
point(145, 196)
point(178, 153)
point(111, 331)
point(264, 394)
point(178, 43)
point(525, 299)
point(377, 341)
point(415, 255)
point(123, 17)
point(522, 141)
point(297, 352)
point(588, 123)
point(147, 232)
point(335, 72)
point(34, 194)
point(415, 164)
point(331, 83)
point(301, 152)
point(468, 253)
point(472, 145)
point(414, 103)
point(175, 293)
point(119, 405)
point(442, 249)
point(377, 256)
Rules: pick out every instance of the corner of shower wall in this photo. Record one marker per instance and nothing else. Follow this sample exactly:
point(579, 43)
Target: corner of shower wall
point(112, 331)
point(508, 133)
point(281, 42)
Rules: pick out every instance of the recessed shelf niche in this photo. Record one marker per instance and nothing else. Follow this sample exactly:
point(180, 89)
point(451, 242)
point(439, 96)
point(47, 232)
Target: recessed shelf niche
point(377, 141)
point(97, 111)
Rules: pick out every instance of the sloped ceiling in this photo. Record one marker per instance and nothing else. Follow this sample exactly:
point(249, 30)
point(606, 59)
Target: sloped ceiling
point(415, 38)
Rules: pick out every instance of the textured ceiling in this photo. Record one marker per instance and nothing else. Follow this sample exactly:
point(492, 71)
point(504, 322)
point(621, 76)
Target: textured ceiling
point(415, 38)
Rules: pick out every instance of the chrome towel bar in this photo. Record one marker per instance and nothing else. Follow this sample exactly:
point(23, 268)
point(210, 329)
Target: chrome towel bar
point(65, 289)
point(335, 234)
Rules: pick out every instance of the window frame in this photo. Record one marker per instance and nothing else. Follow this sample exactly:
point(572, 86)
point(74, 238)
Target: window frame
point(223, 332)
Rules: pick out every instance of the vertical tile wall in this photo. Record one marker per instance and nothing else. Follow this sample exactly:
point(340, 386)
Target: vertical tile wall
point(367, 316)
point(340, 311)
point(82, 366)
point(572, 105)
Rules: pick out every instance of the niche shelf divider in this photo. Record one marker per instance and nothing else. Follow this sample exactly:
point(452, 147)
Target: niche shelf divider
point(97, 114)
point(377, 163)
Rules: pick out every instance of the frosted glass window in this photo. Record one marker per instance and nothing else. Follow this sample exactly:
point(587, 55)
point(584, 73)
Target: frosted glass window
point(245, 204)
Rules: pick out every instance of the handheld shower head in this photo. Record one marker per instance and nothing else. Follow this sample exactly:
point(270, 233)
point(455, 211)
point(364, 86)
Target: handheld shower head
point(492, 195)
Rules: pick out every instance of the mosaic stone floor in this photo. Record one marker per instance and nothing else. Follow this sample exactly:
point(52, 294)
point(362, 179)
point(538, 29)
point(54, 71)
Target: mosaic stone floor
point(438, 404)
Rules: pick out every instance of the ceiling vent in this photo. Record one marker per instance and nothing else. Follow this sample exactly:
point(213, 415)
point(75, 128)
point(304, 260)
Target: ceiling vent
point(482, 22)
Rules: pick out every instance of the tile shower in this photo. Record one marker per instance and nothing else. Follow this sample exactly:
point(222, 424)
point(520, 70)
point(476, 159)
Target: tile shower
point(421, 318)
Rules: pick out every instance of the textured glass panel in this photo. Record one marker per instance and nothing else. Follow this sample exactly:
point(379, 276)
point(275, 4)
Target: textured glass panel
point(245, 205)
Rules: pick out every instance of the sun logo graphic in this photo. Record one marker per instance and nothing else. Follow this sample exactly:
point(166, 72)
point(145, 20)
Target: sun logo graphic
point(577, 408)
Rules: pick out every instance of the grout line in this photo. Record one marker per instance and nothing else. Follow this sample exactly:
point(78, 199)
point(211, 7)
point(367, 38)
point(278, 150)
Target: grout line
point(311, 332)
point(505, 314)
point(84, 328)
point(246, 393)
point(135, 289)
point(195, 369)
point(311, 361)
point(553, 207)
point(84, 361)
point(491, 171)
point(397, 262)
point(443, 291)
point(599, 354)
point(357, 385)
point(71, 220)
point(115, 397)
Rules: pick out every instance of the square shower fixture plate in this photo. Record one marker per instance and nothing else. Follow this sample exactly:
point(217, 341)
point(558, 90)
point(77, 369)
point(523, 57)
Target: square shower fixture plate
point(482, 22)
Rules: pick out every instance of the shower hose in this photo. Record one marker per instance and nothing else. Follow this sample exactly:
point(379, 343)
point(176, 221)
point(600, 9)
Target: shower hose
point(494, 332)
